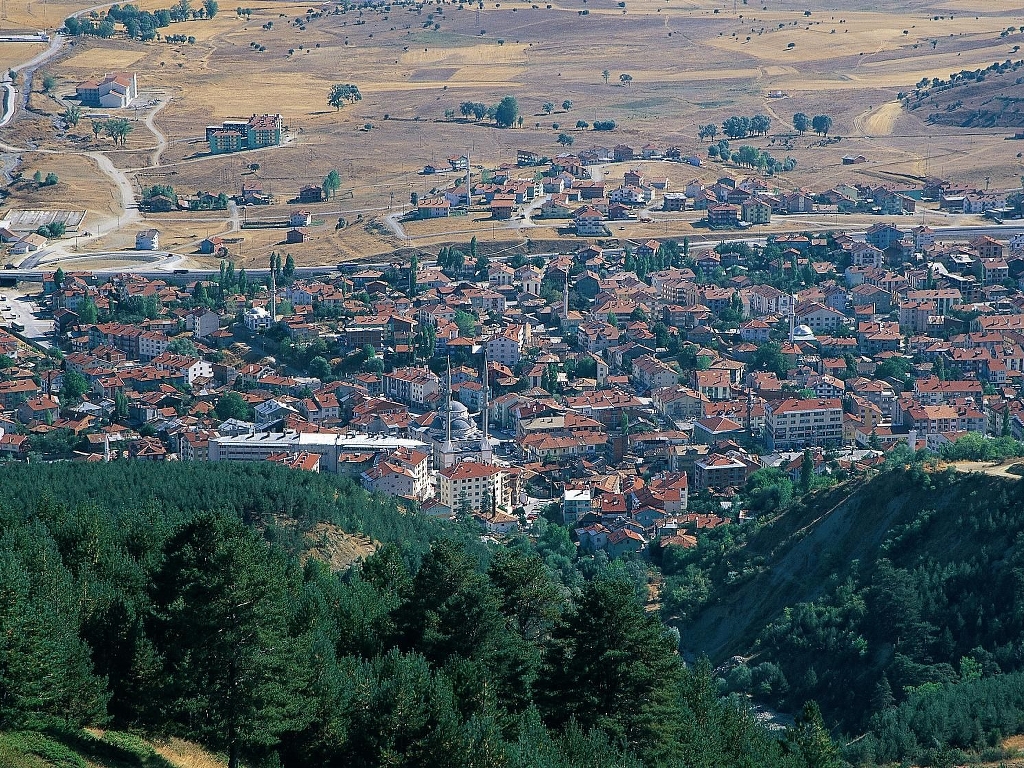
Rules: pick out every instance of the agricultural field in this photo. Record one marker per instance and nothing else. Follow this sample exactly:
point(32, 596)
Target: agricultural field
point(689, 62)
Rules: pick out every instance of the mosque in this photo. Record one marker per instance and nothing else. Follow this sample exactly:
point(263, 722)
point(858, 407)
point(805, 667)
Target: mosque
point(453, 434)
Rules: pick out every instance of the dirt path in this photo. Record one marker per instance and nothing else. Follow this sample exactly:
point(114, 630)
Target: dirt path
point(988, 468)
point(879, 121)
point(161, 140)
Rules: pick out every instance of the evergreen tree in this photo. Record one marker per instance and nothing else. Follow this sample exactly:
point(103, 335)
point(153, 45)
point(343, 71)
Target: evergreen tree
point(808, 739)
point(220, 618)
point(806, 470)
point(611, 666)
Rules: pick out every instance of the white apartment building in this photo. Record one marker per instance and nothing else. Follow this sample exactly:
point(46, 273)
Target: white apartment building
point(471, 483)
point(797, 423)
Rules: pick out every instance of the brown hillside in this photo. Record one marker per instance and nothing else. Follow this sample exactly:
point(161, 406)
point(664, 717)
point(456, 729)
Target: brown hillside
point(988, 98)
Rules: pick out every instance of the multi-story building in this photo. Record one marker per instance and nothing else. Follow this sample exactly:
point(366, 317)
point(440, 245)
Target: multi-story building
point(235, 135)
point(471, 486)
point(152, 344)
point(404, 472)
point(718, 471)
point(413, 386)
point(114, 91)
point(576, 503)
point(798, 423)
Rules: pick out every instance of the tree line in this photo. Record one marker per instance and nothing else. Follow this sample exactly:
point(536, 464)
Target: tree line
point(175, 600)
point(139, 24)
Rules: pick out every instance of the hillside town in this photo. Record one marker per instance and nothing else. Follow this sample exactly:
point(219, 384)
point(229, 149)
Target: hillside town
point(567, 191)
point(632, 394)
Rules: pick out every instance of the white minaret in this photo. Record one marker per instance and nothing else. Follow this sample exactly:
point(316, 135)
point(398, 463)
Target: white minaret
point(273, 292)
point(449, 449)
point(469, 182)
point(485, 441)
point(792, 318)
point(106, 448)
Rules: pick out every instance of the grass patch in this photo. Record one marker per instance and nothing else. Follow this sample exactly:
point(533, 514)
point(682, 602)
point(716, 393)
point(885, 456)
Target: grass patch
point(112, 749)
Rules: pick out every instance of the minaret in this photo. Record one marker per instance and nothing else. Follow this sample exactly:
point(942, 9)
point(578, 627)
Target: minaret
point(469, 181)
point(106, 448)
point(273, 292)
point(485, 442)
point(750, 408)
point(448, 458)
point(792, 318)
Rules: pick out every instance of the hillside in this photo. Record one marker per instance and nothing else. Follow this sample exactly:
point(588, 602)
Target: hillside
point(182, 601)
point(989, 98)
point(864, 599)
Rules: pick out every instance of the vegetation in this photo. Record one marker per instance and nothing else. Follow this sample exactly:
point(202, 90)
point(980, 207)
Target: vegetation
point(342, 94)
point(171, 598)
point(821, 124)
point(52, 230)
point(506, 112)
point(331, 184)
point(896, 624)
point(72, 115)
point(136, 23)
point(118, 128)
point(741, 127)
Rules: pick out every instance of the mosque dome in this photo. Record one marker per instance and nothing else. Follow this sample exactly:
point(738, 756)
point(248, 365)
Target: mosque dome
point(462, 424)
point(803, 333)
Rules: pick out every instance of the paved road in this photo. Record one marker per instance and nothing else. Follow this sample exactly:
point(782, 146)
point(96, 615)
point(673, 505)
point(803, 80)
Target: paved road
point(23, 310)
point(161, 264)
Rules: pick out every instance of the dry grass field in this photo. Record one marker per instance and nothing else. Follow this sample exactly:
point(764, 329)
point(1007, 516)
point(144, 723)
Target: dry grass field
point(691, 62)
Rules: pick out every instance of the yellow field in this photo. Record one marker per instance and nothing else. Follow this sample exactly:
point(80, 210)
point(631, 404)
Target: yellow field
point(691, 62)
point(12, 54)
point(81, 185)
point(104, 58)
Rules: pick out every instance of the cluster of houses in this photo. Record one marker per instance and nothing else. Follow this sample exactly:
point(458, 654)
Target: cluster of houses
point(620, 397)
point(566, 193)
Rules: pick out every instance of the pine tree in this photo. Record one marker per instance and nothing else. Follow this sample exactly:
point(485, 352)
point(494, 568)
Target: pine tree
point(611, 666)
point(808, 739)
point(221, 614)
point(882, 698)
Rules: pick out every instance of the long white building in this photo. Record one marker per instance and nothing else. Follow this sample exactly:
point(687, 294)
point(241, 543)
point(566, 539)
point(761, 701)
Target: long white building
point(257, 446)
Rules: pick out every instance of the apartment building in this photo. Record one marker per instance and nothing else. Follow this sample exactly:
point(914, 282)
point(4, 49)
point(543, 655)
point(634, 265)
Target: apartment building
point(798, 423)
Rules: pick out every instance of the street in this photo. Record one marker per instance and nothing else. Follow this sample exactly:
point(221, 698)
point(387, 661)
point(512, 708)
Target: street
point(19, 307)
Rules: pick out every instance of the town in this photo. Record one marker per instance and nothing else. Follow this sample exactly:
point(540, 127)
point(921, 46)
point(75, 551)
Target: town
point(628, 393)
